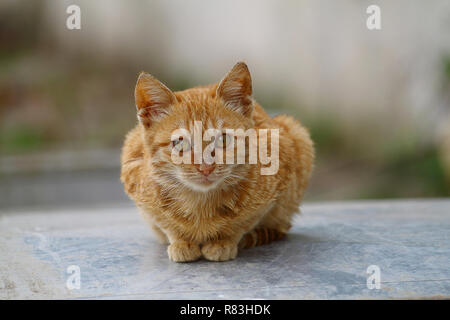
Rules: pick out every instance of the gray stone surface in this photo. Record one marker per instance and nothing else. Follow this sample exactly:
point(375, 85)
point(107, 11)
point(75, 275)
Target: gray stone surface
point(63, 178)
point(326, 255)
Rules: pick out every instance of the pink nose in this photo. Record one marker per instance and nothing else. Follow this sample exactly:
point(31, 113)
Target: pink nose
point(205, 169)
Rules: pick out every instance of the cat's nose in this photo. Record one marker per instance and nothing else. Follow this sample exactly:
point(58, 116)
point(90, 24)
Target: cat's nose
point(206, 169)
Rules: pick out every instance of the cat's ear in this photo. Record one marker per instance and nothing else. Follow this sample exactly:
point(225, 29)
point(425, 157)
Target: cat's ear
point(153, 99)
point(236, 89)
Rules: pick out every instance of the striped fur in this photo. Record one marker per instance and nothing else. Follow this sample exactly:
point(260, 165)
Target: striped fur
point(260, 236)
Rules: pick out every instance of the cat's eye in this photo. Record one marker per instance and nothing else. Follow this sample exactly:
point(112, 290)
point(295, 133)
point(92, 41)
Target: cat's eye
point(181, 145)
point(223, 141)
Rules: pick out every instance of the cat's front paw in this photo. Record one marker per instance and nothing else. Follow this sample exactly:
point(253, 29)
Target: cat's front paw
point(220, 250)
point(182, 251)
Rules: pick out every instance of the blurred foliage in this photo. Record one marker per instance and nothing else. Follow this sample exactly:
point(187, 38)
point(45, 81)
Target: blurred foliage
point(411, 175)
point(21, 140)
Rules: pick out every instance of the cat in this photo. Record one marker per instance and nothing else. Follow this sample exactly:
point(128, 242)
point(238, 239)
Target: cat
point(211, 210)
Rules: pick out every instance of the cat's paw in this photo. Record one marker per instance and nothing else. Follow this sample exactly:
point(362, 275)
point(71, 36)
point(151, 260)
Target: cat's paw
point(219, 250)
point(182, 251)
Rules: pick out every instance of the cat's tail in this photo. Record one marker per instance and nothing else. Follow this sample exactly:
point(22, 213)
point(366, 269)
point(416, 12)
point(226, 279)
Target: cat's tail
point(260, 236)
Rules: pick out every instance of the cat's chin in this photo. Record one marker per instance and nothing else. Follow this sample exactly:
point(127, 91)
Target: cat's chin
point(203, 186)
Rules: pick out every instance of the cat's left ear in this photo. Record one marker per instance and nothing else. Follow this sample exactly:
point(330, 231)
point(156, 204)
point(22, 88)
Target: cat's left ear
point(153, 99)
point(236, 89)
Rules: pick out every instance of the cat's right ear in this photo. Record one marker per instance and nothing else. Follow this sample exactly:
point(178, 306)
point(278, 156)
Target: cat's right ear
point(153, 99)
point(235, 89)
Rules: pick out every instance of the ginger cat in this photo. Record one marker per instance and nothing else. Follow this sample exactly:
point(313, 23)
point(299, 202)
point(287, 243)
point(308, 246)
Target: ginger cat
point(211, 210)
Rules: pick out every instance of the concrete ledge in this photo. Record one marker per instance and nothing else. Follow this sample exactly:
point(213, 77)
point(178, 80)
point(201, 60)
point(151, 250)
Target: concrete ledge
point(326, 256)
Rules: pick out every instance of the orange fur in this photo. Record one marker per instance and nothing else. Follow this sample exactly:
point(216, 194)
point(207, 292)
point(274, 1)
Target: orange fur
point(242, 206)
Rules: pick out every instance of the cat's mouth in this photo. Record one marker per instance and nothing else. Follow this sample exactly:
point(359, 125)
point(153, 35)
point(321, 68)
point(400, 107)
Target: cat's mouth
point(201, 182)
point(204, 183)
point(206, 180)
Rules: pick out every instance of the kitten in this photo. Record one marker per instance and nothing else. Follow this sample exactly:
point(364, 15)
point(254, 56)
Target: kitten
point(211, 210)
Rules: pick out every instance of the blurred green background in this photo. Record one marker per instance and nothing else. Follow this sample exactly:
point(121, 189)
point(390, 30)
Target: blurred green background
point(377, 103)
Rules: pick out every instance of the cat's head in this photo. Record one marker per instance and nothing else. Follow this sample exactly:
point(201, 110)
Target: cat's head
point(163, 114)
